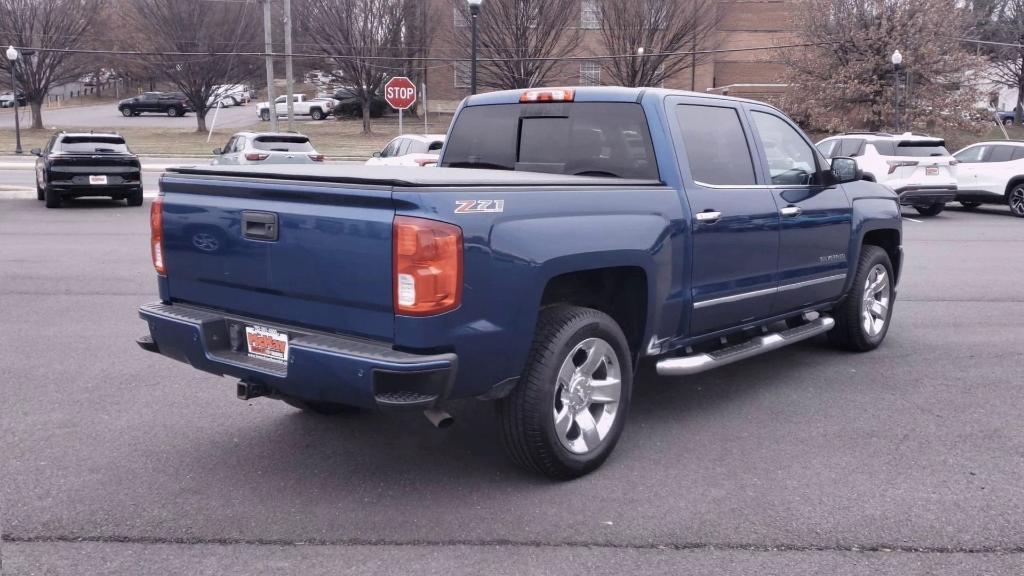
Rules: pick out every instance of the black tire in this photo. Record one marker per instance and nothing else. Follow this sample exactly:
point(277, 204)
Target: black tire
point(1015, 200)
point(850, 331)
point(265, 115)
point(1007, 121)
point(52, 197)
point(126, 112)
point(322, 408)
point(135, 197)
point(527, 415)
point(316, 114)
point(40, 192)
point(932, 210)
point(969, 205)
point(174, 112)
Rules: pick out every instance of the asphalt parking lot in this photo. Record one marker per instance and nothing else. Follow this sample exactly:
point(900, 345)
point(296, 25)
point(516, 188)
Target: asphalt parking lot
point(907, 460)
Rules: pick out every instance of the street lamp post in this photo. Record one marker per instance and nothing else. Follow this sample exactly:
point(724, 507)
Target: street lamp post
point(897, 60)
point(474, 12)
point(12, 56)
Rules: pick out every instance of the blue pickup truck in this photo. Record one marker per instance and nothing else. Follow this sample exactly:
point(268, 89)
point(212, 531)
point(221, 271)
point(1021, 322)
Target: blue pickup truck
point(566, 236)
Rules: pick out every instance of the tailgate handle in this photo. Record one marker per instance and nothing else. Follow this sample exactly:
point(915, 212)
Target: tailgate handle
point(259, 225)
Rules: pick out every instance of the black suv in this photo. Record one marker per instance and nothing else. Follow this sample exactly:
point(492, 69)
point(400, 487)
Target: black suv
point(73, 165)
point(171, 103)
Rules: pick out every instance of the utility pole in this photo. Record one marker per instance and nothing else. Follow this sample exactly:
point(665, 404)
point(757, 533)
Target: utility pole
point(289, 83)
point(269, 49)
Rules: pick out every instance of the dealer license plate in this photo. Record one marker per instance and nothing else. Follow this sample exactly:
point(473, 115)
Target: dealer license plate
point(266, 343)
point(931, 171)
point(97, 179)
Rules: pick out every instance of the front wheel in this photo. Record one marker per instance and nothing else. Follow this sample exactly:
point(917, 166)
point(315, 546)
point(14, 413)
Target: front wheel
point(126, 112)
point(173, 112)
point(932, 210)
point(568, 410)
point(1016, 201)
point(862, 319)
point(264, 115)
point(316, 114)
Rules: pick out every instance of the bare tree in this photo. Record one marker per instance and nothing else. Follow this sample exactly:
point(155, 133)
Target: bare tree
point(655, 27)
point(162, 27)
point(364, 39)
point(845, 80)
point(56, 25)
point(1005, 24)
point(521, 41)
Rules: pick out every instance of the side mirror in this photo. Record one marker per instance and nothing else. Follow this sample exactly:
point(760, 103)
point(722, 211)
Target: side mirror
point(217, 151)
point(36, 152)
point(376, 154)
point(845, 170)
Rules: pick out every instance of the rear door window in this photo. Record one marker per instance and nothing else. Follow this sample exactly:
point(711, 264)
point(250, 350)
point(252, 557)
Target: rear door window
point(716, 145)
point(1018, 152)
point(585, 138)
point(1001, 153)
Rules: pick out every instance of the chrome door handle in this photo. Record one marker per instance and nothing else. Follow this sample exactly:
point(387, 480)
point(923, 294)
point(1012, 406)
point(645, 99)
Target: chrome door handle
point(708, 216)
point(790, 211)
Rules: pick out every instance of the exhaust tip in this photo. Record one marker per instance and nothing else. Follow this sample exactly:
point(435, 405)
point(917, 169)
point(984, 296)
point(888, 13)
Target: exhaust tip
point(439, 418)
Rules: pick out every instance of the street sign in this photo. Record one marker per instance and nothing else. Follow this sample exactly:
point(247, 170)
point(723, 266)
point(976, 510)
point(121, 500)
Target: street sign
point(400, 93)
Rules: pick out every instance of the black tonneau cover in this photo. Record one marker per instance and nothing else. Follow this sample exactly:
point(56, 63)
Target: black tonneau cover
point(406, 176)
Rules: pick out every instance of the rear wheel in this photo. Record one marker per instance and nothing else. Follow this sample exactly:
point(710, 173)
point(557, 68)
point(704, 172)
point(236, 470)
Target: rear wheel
point(1007, 121)
point(862, 319)
point(566, 414)
point(135, 197)
point(932, 210)
point(52, 197)
point(40, 192)
point(1016, 201)
point(970, 205)
point(324, 408)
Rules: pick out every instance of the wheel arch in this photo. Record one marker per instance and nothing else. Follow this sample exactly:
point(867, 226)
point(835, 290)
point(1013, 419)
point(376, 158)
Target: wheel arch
point(1013, 183)
point(888, 239)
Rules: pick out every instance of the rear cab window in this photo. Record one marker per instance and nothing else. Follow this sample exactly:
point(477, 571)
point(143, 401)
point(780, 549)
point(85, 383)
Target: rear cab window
point(282, 143)
point(580, 138)
point(920, 148)
point(93, 145)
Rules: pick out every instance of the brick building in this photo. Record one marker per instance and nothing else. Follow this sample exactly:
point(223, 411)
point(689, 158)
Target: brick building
point(743, 24)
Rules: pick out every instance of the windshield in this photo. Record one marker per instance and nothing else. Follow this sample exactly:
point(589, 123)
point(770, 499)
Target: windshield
point(586, 138)
point(93, 145)
point(922, 149)
point(283, 144)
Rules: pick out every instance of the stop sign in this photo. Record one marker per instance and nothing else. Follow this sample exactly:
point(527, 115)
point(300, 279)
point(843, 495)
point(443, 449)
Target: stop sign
point(400, 93)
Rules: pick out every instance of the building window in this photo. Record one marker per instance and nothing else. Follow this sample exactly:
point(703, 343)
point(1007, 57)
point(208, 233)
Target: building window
point(461, 18)
point(590, 73)
point(590, 15)
point(462, 74)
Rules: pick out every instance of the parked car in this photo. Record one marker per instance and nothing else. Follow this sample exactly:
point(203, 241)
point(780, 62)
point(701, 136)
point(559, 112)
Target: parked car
point(409, 150)
point(75, 165)
point(267, 148)
point(315, 108)
point(351, 106)
point(567, 235)
point(917, 167)
point(992, 173)
point(170, 103)
point(231, 95)
point(7, 99)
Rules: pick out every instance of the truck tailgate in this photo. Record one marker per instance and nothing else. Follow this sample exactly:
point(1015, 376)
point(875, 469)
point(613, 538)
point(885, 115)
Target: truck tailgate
point(309, 254)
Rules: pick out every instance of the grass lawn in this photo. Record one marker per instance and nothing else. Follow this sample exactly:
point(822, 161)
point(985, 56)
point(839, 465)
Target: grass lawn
point(334, 138)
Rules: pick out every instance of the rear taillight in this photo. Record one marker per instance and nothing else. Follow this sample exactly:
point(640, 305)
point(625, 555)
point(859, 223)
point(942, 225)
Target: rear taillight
point(256, 157)
point(427, 266)
point(316, 157)
point(550, 95)
point(894, 164)
point(156, 234)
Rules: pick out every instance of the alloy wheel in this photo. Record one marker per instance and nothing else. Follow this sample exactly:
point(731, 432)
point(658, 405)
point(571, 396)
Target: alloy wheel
point(875, 310)
point(1017, 201)
point(587, 395)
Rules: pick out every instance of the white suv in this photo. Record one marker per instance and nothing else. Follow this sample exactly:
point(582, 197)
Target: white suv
point(918, 168)
point(992, 173)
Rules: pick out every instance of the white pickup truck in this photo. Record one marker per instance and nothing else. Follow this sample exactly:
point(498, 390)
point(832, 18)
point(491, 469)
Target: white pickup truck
point(315, 108)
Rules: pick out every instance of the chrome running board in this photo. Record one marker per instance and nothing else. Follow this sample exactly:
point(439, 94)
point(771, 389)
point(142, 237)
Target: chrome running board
point(696, 363)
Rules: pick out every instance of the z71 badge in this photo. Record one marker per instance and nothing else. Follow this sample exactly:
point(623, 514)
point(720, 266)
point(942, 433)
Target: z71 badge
point(479, 206)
